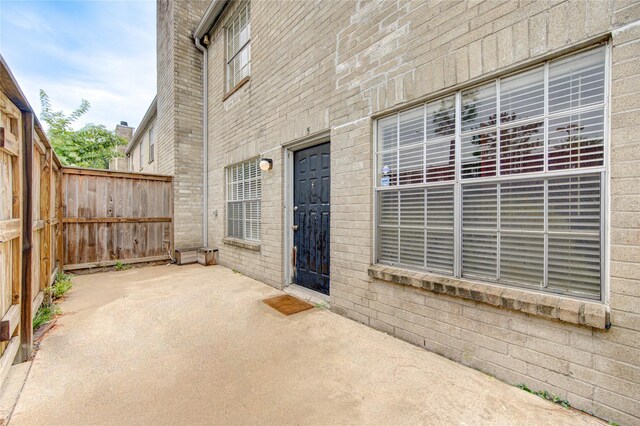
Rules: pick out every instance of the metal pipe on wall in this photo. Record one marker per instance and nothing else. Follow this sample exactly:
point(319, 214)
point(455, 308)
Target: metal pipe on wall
point(205, 145)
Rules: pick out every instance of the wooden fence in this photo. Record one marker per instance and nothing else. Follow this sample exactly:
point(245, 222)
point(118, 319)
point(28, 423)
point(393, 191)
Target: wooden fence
point(30, 232)
point(112, 217)
point(54, 218)
point(10, 230)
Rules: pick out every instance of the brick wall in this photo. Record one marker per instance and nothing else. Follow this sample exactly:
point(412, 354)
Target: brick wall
point(179, 130)
point(332, 65)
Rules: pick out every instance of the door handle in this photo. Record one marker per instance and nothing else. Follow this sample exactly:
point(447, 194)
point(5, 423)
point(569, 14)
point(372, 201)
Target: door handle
point(295, 227)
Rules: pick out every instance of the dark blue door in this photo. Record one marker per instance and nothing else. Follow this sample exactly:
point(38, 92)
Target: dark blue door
point(311, 194)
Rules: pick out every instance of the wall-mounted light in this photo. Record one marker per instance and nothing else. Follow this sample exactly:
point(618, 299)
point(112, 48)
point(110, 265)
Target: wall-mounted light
point(266, 164)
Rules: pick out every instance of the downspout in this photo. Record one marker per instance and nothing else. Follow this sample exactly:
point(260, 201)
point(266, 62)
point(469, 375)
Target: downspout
point(205, 145)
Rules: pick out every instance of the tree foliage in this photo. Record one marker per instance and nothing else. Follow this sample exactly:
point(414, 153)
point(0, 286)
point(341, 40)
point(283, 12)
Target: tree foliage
point(91, 146)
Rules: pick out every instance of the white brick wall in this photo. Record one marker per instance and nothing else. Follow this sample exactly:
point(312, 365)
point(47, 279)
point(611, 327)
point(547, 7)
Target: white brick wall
point(332, 65)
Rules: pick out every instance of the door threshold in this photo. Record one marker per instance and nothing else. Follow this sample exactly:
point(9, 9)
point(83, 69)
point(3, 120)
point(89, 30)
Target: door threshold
point(307, 294)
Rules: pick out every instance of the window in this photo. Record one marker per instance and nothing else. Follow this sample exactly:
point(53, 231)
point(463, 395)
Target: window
point(238, 47)
point(502, 182)
point(141, 154)
point(244, 192)
point(152, 143)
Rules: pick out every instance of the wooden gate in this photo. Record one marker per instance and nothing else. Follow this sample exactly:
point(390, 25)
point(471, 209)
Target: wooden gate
point(30, 235)
point(112, 217)
point(10, 231)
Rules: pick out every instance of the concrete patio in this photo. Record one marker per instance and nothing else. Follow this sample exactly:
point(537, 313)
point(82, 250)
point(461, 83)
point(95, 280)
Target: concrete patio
point(195, 345)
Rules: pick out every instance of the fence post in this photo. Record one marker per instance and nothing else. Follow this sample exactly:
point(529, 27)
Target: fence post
point(45, 241)
point(60, 228)
point(26, 320)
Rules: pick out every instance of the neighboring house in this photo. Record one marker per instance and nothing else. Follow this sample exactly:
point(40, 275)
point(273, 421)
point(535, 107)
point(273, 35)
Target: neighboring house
point(121, 163)
point(460, 174)
point(141, 151)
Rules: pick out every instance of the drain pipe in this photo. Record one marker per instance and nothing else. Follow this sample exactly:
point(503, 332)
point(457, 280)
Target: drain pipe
point(205, 144)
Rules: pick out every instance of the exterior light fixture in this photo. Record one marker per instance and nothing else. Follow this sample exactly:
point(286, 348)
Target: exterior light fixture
point(266, 164)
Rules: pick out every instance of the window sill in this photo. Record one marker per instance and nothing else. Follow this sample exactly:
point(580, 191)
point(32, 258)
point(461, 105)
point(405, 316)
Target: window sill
point(591, 314)
point(236, 87)
point(241, 243)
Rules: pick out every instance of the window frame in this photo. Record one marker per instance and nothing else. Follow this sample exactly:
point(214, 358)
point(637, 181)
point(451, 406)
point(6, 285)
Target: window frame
point(243, 7)
point(152, 146)
point(141, 155)
point(545, 175)
point(228, 201)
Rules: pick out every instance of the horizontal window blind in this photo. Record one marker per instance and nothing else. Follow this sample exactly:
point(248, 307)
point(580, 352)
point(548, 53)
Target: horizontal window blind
point(244, 193)
point(416, 227)
point(521, 160)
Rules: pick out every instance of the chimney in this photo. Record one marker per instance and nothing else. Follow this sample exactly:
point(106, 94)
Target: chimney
point(124, 131)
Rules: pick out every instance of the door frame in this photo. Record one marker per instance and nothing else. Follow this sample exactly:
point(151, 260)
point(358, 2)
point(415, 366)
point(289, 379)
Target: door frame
point(289, 149)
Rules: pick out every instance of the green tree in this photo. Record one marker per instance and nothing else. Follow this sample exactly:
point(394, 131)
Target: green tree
point(92, 146)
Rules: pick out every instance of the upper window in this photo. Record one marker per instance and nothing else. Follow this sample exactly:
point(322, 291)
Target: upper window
point(502, 182)
point(238, 47)
point(141, 155)
point(152, 143)
point(244, 194)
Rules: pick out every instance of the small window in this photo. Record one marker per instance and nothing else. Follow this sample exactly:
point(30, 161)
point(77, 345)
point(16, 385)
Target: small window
point(141, 154)
point(152, 143)
point(244, 194)
point(238, 47)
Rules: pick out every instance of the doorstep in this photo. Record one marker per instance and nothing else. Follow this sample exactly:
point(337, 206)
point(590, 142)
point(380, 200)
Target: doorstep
point(307, 294)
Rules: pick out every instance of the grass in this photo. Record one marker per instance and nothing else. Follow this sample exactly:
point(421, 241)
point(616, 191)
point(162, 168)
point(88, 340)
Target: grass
point(45, 313)
point(546, 395)
point(321, 306)
point(49, 309)
point(119, 266)
point(61, 286)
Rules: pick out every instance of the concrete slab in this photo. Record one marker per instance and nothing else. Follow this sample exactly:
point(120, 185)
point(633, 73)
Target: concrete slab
point(195, 345)
point(11, 389)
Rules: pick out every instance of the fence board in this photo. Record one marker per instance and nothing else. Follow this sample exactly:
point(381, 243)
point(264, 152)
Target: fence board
point(115, 216)
point(10, 221)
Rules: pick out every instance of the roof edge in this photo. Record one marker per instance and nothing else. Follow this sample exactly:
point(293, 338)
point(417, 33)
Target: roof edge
point(210, 18)
point(151, 112)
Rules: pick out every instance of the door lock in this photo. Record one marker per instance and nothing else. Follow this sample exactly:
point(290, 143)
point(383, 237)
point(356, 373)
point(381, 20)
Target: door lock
point(295, 227)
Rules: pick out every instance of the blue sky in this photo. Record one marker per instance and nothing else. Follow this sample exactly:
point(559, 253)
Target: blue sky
point(102, 51)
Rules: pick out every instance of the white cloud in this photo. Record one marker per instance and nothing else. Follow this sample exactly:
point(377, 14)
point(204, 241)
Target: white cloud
point(100, 51)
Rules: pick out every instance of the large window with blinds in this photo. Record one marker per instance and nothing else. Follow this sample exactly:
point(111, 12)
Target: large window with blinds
point(244, 194)
point(503, 182)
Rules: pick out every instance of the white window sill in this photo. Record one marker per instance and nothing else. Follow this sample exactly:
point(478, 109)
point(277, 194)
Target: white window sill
point(249, 245)
point(582, 312)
